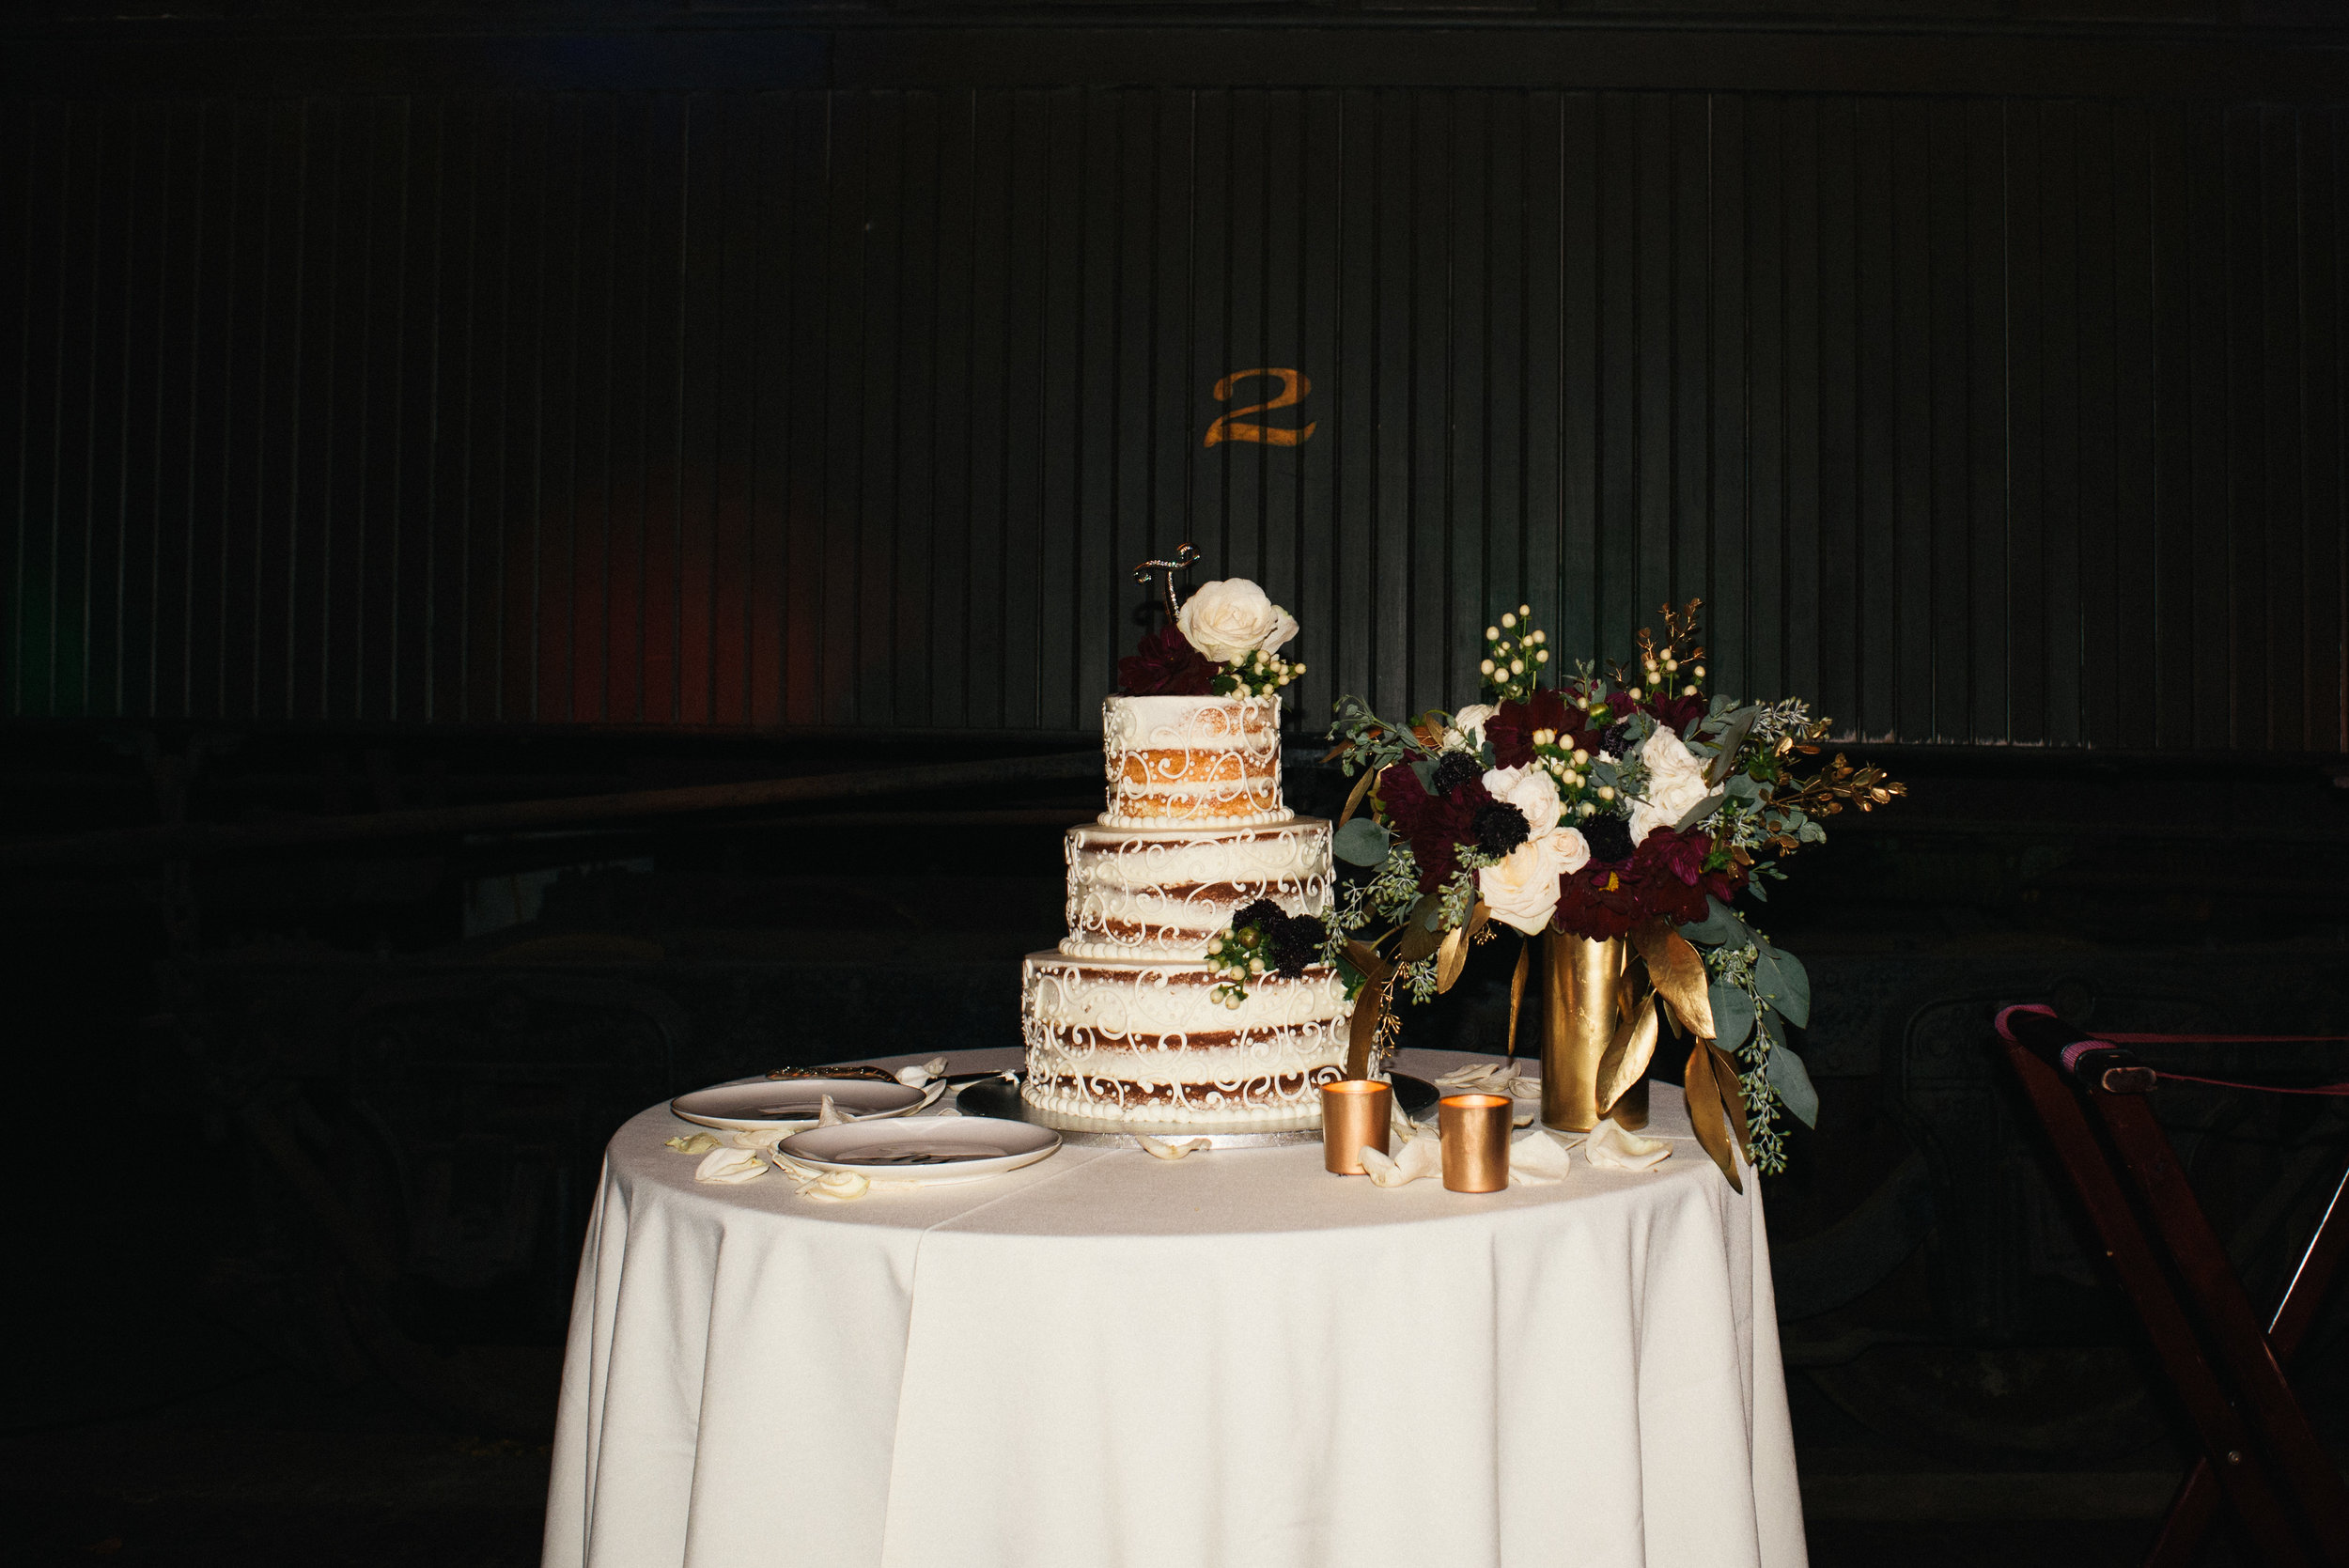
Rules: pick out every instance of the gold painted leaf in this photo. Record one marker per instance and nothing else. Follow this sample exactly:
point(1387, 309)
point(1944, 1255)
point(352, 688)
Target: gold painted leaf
point(1362, 787)
point(1366, 957)
point(1733, 1096)
point(1676, 971)
point(1517, 990)
point(1704, 1112)
point(1627, 1054)
point(1451, 958)
point(1368, 1008)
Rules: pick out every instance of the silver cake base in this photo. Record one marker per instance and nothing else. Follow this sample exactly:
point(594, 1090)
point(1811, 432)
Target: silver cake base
point(1000, 1097)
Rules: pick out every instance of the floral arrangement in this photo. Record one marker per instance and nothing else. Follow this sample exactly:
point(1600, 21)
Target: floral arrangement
point(1264, 936)
point(1628, 803)
point(1221, 642)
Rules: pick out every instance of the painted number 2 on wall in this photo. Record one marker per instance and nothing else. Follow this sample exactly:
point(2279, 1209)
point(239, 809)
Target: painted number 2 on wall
point(1237, 426)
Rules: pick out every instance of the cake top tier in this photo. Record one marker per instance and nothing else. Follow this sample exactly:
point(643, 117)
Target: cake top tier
point(1193, 762)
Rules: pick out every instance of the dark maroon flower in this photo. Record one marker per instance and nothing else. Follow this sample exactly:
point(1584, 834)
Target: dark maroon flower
point(1166, 666)
point(1609, 837)
point(1510, 731)
point(1435, 826)
point(1500, 828)
point(1261, 913)
point(1293, 942)
point(1454, 768)
point(1589, 731)
point(1678, 713)
point(1664, 876)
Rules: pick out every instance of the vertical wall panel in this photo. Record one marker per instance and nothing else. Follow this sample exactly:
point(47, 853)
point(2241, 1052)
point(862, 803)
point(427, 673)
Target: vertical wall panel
point(1976, 421)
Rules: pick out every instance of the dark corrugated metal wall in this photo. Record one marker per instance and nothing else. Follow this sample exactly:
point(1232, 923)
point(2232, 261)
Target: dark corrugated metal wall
point(1973, 420)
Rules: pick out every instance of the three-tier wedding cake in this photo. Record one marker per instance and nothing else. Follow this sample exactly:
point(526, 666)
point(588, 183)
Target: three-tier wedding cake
point(1126, 1023)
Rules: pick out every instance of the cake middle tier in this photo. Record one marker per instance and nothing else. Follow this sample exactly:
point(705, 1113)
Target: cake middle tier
point(1134, 1038)
point(1164, 892)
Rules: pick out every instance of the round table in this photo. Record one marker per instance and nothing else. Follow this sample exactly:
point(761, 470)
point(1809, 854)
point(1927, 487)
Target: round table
point(1119, 1362)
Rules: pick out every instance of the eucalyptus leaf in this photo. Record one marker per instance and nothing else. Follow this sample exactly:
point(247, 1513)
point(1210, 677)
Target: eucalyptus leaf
point(1740, 725)
point(1423, 769)
point(1779, 978)
point(1787, 1074)
point(1698, 813)
point(1732, 1014)
point(1719, 928)
point(1362, 842)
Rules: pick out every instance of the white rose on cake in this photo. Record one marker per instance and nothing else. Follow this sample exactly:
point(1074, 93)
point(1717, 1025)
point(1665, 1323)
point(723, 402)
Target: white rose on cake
point(1531, 790)
point(1231, 619)
point(1675, 784)
point(1522, 891)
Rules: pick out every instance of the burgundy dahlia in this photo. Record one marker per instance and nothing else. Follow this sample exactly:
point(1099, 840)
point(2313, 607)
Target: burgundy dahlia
point(1434, 824)
point(1166, 666)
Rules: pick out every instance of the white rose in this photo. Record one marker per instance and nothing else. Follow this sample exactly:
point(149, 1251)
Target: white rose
point(1469, 724)
point(1531, 790)
point(1522, 891)
point(1229, 620)
point(1570, 849)
point(1675, 785)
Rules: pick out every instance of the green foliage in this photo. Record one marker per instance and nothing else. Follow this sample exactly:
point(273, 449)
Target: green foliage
point(1362, 842)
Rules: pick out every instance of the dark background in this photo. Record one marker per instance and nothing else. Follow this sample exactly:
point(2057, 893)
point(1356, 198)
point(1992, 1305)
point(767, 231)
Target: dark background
point(426, 407)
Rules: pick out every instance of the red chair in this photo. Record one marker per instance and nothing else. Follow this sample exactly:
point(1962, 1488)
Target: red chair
point(2260, 1456)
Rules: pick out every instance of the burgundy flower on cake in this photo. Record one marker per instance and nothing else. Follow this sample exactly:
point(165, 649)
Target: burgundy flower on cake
point(1166, 666)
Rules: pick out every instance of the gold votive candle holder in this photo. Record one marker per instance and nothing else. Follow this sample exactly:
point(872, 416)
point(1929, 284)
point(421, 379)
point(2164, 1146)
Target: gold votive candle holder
point(1354, 1116)
point(1475, 1130)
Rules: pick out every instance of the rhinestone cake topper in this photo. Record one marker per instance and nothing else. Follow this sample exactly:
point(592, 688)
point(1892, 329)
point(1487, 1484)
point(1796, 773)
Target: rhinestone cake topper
point(1186, 557)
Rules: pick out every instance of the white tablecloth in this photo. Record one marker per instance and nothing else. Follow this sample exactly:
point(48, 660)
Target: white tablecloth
point(1234, 1360)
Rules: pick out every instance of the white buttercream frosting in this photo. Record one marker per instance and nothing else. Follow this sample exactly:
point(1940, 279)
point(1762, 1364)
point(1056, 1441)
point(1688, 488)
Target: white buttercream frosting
point(1179, 760)
point(1165, 892)
point(1146, 1040)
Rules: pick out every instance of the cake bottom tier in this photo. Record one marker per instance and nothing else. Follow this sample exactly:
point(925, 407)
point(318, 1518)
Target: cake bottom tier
point(1143, 1040)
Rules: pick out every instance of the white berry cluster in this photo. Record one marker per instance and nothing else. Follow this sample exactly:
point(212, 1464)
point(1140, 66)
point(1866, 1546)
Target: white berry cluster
point(1514, 655)
point(1238, 956)
point(1258, 675)
point(1568, 765)
point(1664, 673)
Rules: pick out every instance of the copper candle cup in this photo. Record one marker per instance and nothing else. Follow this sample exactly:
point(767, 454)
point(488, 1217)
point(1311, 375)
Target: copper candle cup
point(1475, 1130)
point(1354, 1116)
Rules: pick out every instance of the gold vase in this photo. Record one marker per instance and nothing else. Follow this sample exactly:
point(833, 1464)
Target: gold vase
point(1589, 1004)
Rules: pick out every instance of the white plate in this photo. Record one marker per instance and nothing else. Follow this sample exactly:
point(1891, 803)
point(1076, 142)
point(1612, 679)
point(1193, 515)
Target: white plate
point(934, 1149)
point(790, 1102)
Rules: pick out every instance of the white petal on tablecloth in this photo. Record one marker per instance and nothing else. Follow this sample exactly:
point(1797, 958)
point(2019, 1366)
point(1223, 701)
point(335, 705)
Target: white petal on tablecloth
point(1158, 1149)
point(1416, 1157)
point(731, 1165)
point(1538, 1159)
point(1495, 1078)
point(1610, 1148)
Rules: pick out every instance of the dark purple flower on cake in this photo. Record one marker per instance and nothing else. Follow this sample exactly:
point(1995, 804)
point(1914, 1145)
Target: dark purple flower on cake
point(1500, 828)
point(1295, 941)
point(1261, 914)
point(1166, 666)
